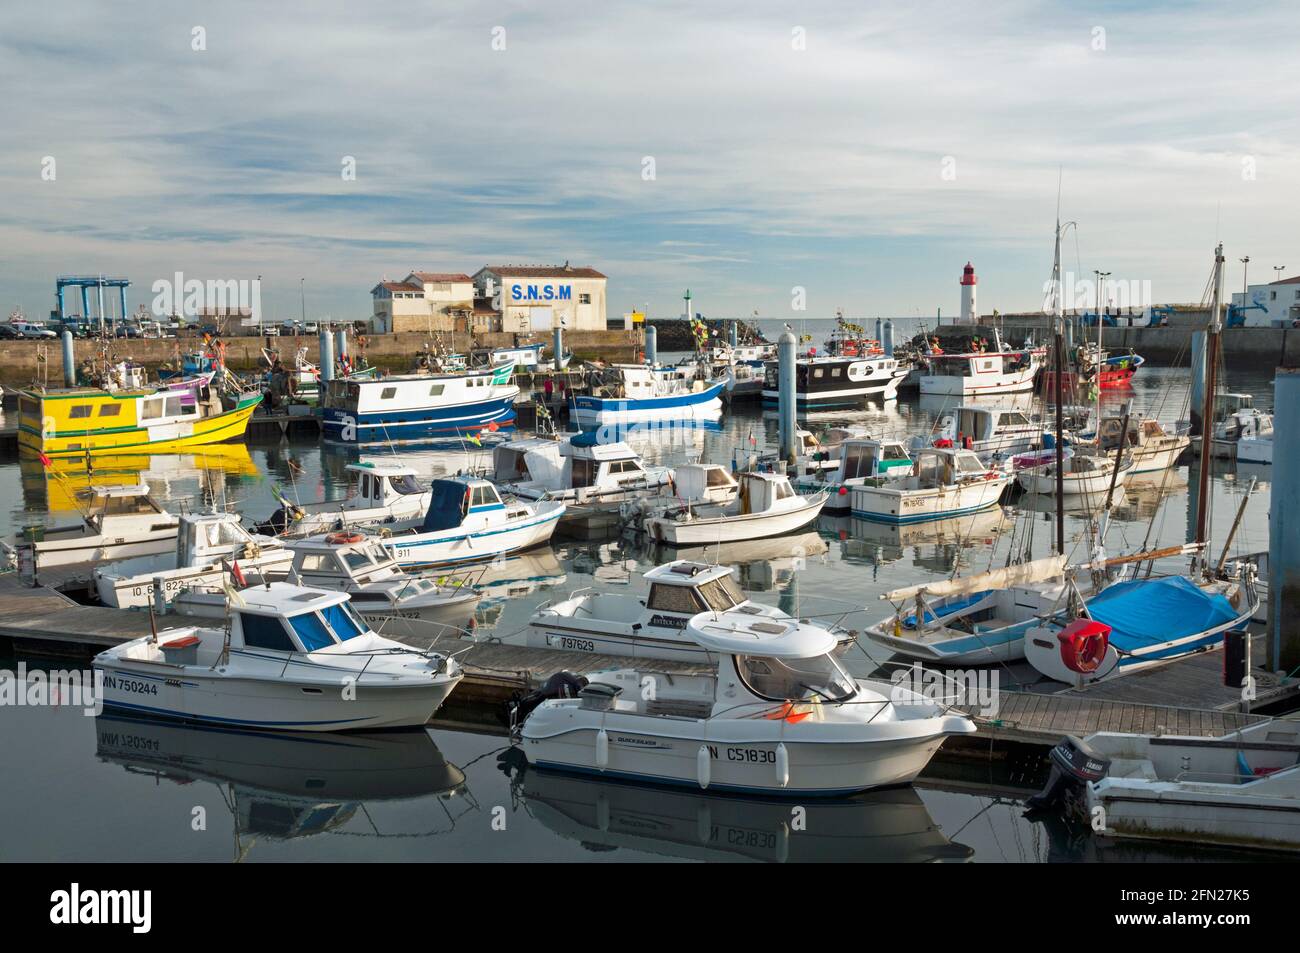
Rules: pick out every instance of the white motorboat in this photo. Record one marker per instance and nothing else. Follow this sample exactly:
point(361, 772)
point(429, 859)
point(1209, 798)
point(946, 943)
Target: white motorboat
point(630, 393)
point(397, 604)
point(1255, 449)
point(208, 548)
point(291, 658)
point(654, 626)
point(972, 620)
point(1087, 474)
point(1246, 424)
point(779, 716)
point(384, 493)
point(1152, 446)
point(943, 482)
point(119, 522)
point(766, 506)
point(1000, 370)
point(467, 521)
point(577, 471)
point(1240, 790)
point(858, 460)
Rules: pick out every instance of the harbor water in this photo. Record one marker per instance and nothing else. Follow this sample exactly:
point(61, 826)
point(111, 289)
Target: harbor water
point(84, 789)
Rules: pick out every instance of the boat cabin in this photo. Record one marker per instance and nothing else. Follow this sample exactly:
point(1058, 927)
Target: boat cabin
point(456, 499)
point(578, 463)
point(864, 459)
point(380, 485)
point(981, 428)
point(704, 483)
point(942, 466)
point(125, 506)
point(204, 538)
point(331, 562)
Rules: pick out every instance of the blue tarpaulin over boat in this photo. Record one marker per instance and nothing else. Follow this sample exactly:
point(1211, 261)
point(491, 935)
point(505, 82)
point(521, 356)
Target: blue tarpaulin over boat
point(1145, 612)
point(446, 507)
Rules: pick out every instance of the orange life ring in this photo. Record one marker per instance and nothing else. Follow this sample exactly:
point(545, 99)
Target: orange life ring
point(339, 539)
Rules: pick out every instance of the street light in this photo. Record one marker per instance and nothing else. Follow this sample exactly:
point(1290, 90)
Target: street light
point(1277, 272)
point(1245, 285)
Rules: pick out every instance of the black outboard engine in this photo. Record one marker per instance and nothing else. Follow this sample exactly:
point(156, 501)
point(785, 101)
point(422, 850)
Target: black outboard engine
point(275, 524)
point(560, 685)
point(1074, 765)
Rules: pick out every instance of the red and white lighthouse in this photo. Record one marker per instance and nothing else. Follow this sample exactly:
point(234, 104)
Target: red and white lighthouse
point(968, 280)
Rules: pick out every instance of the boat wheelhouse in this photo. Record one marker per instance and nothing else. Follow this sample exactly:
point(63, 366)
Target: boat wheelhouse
point(290, 658)
point(837, 381)
point(467, 521)
point(653, 626)
point(992, 433)
point(419, 406)
point(1152, 447)
point(859, 460)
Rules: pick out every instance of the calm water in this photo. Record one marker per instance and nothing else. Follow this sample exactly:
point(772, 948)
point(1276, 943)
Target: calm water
point(80, 788)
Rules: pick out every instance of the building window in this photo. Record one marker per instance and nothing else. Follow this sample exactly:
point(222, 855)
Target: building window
point(584, 299)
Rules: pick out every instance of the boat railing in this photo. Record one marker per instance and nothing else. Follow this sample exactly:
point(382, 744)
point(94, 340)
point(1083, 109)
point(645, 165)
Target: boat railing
point(440, 628)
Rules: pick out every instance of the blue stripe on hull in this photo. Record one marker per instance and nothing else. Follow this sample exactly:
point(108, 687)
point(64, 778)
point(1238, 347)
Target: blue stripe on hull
point(413, 424)
point(924, 518)
point(624, 405)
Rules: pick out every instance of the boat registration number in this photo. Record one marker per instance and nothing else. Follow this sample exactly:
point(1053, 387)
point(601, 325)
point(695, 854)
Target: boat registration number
point(170, 585)
point(130, 685)
point(751, 755)
point(571, 644)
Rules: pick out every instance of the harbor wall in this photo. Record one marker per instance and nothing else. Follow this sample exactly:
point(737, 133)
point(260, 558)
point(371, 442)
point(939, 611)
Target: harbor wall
point(22, 362)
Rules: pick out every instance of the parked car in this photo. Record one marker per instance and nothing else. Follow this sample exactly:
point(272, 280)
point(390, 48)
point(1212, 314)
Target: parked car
point(9, 333)
point(28, 330)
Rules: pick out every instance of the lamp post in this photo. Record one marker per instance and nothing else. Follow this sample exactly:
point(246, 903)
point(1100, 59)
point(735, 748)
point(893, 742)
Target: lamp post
point(1245, 285)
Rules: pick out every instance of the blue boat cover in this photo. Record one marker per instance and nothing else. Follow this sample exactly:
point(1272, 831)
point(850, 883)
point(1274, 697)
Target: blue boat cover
point(446, 507)
point(1146, 612)
point(946, 610)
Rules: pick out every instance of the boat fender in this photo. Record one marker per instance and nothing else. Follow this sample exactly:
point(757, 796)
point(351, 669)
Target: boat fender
point(1083, 645)
point(602, 749)
point(782, 765)
point(703, 766)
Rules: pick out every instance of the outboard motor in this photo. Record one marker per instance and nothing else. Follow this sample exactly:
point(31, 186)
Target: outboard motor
point(560, 685)
point(275, 524)
point(1074, 764)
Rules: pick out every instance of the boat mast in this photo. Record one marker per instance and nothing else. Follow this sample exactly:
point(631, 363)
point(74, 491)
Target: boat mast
point(1207, 410)
point(1058, 360)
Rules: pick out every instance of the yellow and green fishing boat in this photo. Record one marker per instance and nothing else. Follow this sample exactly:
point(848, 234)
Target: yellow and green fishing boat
point(77, 421)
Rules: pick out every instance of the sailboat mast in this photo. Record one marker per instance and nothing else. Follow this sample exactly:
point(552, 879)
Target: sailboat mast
point(1058, 348)
point(1207, 411)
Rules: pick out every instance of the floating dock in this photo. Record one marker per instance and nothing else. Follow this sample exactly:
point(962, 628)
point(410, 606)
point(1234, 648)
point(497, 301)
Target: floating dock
point(1183, 697)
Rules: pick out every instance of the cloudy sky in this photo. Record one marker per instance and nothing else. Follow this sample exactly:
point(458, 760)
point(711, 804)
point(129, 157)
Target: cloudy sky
point(866, 166)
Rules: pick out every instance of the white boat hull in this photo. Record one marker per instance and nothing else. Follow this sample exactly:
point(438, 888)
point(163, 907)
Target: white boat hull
point(81, 550)
point(1251, 450)
point(137, 592)
point(1098, 483)
point(742, 756)
point(734, 529)
point(894, 504)
point(952, 385)
point(1156, 810)
point(197, 693)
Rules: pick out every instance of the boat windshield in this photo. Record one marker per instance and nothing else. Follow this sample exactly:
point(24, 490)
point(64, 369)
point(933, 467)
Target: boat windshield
point(722, 593)
point(820, 678)
point(406, 484)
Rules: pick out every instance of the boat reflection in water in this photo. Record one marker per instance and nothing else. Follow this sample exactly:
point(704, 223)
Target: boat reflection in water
point(508, 578)
point(891, 824)
point(940, 545)
point(761, 565)
point(282, 785)
point(61, 488)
